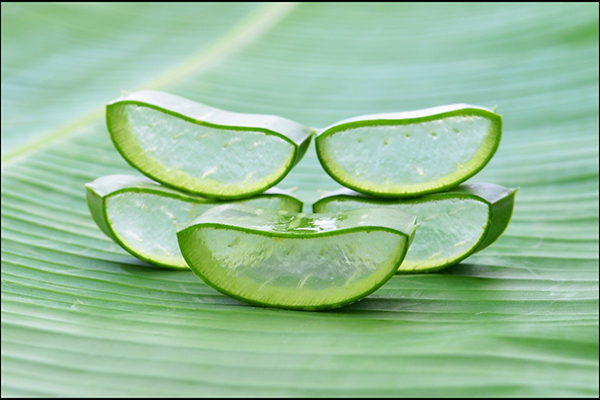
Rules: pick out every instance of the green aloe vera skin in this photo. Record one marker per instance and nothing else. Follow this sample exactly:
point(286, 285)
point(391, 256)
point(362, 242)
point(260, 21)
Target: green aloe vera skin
point(296, 261)
point(410, 153)
point(203, 150)
point(142, 216)
point(452, 225)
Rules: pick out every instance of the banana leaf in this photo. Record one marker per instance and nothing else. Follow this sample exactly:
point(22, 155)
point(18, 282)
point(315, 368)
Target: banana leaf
point(81, 317)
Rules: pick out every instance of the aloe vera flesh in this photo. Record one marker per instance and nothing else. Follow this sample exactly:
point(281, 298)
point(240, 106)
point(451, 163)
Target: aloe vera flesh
point(452, 225)
point(296, 261)
point(143, 217)
point(204, 150)
point(412, 153)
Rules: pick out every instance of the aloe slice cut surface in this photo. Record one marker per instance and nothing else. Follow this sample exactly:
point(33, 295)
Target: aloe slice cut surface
point(204, 150)
point(142, 216)
point(410, 153)
point(452, 225)
point(296, 261)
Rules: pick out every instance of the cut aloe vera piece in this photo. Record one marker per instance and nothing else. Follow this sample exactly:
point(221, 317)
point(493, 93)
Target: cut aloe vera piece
point(410, 153)
point(296, 261)
point(142, 216)
point(452, 225)
point(203, 150)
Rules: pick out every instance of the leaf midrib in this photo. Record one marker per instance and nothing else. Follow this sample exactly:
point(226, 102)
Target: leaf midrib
point(241, 35)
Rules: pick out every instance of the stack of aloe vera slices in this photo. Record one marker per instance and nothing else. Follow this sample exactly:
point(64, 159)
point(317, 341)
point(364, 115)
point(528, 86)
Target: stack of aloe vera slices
point(211, 206)
point(413, 161)
point(202, 156)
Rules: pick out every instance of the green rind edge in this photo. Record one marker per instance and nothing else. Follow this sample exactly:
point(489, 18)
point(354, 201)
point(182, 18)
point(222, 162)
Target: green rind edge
point(501, 214)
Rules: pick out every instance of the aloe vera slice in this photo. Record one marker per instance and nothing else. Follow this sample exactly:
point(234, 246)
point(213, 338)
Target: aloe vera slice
point(142, 216)
point(452, 225)
point(410, 153)
point(296, 261)
point(204, 150)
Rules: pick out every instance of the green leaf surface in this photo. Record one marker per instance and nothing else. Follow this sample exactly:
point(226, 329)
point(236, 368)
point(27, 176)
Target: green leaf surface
point(81, 317)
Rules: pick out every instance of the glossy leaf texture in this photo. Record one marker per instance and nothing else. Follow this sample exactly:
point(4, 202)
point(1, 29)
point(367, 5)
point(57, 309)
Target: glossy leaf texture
point(81, 317)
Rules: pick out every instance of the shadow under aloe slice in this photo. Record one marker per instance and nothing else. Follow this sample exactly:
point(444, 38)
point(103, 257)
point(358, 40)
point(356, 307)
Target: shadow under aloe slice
point(452, 225)
point(203, 150)
point(410, 153)
point(296, 261)
point(142, 216)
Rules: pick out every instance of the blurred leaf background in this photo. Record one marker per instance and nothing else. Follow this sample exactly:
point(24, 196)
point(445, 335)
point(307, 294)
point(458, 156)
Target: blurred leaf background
point(80, 317)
